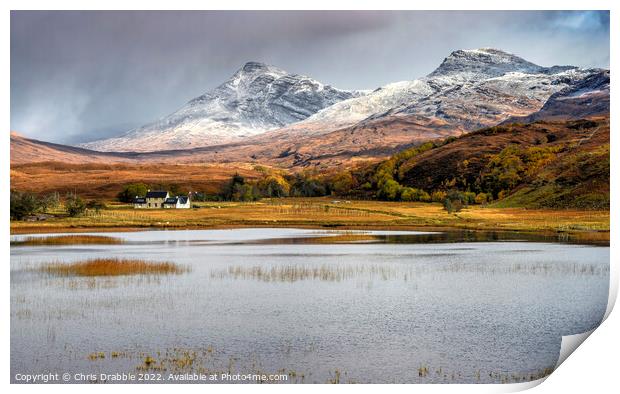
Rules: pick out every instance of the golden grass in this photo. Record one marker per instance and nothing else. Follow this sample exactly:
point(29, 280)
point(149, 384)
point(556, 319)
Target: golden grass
point(325, 212)
point(112, 267)
point(69, 240)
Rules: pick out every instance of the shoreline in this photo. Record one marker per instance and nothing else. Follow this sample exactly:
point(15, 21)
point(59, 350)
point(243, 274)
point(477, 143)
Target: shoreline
point(597, 238)
point(327, 213)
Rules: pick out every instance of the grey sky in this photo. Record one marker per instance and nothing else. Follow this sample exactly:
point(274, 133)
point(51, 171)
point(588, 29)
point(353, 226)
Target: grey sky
point(78, 76)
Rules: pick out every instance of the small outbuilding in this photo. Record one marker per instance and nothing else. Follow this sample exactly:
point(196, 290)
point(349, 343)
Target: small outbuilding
point(178, 202)
point(139, 202)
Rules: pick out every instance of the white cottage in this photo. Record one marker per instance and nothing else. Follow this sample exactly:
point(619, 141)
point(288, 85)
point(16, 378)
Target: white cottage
point(161, 199)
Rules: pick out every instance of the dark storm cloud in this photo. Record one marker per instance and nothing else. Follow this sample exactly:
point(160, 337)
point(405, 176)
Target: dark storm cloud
point(76, 76)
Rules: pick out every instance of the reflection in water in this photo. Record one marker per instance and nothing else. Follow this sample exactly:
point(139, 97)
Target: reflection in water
point(370, 307)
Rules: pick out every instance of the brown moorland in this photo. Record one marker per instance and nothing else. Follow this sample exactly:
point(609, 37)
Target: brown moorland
point(105, 181)
point(370, 140)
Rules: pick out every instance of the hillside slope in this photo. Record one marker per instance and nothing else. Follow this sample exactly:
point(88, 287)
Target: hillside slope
point(26, 150)
point(555, 164)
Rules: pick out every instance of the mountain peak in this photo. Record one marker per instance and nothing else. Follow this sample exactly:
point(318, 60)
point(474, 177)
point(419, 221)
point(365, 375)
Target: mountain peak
point(254, 67)
point(257, 98)
point(484, 61)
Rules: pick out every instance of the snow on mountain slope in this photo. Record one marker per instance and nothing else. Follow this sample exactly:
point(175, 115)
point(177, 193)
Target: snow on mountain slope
point(470, 89)
point(348, 112)
point(257, 98)
point(261, 104)
point(587, 98)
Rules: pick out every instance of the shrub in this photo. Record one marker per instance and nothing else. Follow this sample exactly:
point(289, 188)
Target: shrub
point(470, 197)
point(424, 196)
point(481, 198)
point(408, 194)
point(438, 196)
point(202, 196)
point(413, 194)
point(95, 205)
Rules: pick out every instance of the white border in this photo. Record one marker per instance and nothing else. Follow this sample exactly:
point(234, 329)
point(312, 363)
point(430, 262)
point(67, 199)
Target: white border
point(595, 365)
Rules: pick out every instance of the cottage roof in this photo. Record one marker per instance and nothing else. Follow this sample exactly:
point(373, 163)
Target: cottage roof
point(183, 199)
point(157, 194)
point(170, 200)
point(139, 200)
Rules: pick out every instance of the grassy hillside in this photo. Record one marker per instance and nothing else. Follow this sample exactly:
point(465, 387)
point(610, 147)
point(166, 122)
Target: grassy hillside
point(563, 164)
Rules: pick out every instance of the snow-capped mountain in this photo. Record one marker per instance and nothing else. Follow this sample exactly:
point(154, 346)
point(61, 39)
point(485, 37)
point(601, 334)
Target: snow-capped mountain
point(586, 98)
point(470, 89)
point(257, 98)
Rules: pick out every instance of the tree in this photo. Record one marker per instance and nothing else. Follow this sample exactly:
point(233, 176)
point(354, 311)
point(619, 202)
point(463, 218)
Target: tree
point(390, 190)
point(273, 186)
point(23, 204)
point(50, 201)
point(342, 183)
point(132, 191)
point(454, 201)
point(232, 190)
point(74, 205)
point(306, 185)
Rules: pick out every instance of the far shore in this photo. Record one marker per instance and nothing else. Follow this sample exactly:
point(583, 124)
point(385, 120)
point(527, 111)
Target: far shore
point(326, 213)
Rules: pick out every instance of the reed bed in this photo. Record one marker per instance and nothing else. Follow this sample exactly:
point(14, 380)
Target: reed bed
point(72, 239)
point(113, 267)
point(294, 273)
point(339, 273)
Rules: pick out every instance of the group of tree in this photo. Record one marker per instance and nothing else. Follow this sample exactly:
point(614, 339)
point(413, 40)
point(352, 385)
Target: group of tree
point(275, 185)
point(132, 191)
point(26, 204)
point(493, 178)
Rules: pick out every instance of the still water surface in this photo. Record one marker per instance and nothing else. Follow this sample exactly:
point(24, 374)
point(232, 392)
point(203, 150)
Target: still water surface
point(382, 309)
